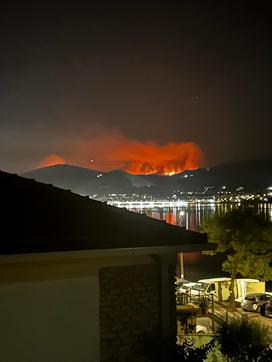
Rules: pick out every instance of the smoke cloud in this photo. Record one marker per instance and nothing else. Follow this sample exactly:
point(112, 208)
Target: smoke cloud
point(115, 151)
point(149, 158)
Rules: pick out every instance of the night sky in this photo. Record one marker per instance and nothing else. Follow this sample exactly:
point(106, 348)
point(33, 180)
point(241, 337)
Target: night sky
point(74, 81)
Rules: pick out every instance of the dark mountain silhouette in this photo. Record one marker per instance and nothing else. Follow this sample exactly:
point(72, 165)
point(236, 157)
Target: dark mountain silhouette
point(250, 175)
point(82, 180)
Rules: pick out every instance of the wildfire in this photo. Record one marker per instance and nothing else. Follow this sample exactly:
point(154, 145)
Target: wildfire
point(149, 158)
point(52, 160)
point(114, 151)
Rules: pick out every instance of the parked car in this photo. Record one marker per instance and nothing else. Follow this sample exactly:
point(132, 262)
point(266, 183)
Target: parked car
point(203, 325)
point(179, 283)
point(253, 302)
point(200, 329)
point(186, 287)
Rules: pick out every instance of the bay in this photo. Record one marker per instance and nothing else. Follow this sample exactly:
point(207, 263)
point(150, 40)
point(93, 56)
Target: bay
point(192, 215)
point(196, 265)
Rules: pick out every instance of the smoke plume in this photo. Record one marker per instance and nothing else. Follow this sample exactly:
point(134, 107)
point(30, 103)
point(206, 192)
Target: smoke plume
point(115, 151)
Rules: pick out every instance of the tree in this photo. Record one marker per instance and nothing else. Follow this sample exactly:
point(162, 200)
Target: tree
point(245, 237)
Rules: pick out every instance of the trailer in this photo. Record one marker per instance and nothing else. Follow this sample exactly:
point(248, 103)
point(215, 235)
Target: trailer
point(248, 286)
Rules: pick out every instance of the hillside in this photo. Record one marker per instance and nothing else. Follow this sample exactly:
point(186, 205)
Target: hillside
point(249, 175)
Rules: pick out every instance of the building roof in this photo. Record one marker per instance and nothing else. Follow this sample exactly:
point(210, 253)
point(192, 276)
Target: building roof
point(38, 217)
point(214, 280)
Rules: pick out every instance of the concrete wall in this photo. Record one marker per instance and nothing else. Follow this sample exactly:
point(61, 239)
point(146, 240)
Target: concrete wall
point(49, 306)
point(54, 321)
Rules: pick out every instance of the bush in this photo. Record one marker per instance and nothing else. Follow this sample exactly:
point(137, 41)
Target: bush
point(188, 352)
point(244, 340)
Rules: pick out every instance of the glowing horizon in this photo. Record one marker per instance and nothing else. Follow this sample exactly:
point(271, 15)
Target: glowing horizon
point(110, 153)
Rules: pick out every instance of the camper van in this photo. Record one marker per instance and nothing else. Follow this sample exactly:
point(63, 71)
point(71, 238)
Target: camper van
point(220, 288)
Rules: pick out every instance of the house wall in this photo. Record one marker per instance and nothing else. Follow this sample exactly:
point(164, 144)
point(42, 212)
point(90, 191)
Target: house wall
point(50, 321)
point(49, 306)
point(130, 313)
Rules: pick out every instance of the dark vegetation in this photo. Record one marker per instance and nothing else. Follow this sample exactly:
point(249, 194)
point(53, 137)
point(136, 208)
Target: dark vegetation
point(239, 341)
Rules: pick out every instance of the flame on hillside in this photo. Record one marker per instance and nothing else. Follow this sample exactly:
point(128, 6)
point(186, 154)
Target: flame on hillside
point(114, 151)
point(149, 158)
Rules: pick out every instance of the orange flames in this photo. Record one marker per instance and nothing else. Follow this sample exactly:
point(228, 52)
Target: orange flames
point(149, 158)
point(117, 152)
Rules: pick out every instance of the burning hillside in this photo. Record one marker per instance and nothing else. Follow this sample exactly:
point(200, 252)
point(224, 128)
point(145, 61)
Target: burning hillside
point(149, 158)
point(117, 152)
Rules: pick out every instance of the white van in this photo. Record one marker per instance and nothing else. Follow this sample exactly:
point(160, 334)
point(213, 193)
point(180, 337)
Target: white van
point(220, 288)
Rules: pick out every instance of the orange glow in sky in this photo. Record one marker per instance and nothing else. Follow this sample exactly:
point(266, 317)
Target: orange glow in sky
point(52, 160)
point(114, 151)
point(150, 158)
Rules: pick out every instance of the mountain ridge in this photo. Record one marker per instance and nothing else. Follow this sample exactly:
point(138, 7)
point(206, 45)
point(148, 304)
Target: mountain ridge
point(250, 175)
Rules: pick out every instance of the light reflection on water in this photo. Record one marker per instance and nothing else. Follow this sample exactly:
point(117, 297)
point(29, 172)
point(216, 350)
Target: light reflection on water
point(192, 216)
point(196, 265)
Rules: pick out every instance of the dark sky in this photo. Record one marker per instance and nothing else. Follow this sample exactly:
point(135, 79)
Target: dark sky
point(187, 71)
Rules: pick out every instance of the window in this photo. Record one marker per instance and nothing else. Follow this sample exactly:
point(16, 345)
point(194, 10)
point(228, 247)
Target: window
point(201, 287)
point(211, 288)
point(250, 298)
